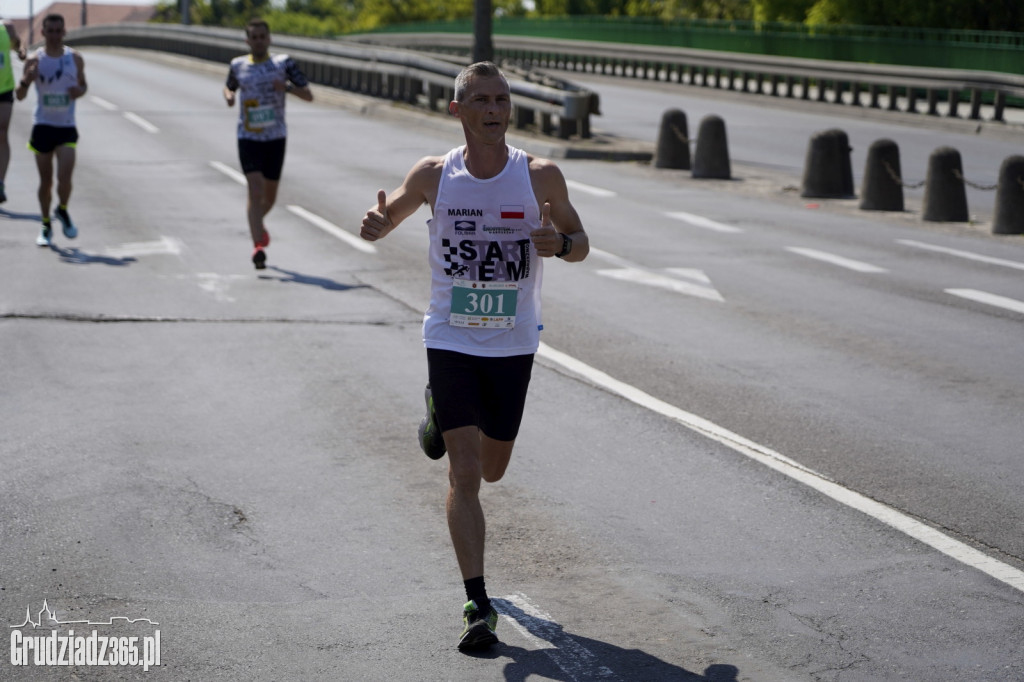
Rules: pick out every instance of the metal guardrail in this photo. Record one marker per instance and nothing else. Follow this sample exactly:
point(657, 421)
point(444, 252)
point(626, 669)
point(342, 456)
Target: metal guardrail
point(901, 88)
point(1001, 51)
point(387, 72)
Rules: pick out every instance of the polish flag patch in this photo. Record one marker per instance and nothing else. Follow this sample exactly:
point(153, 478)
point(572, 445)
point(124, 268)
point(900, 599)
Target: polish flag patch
point(513, 212)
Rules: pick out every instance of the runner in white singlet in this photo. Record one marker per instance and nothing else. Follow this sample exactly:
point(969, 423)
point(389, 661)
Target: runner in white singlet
point(497, 212)
point(59, 75)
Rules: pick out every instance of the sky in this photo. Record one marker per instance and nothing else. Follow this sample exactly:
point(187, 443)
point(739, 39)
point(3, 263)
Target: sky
point(18, 9)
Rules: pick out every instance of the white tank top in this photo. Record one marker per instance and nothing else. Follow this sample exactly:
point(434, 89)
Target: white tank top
point(484, 268)
point(56, 75)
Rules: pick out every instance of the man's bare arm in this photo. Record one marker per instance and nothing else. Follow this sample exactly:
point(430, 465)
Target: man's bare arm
point(559, 216)
point(419, 187)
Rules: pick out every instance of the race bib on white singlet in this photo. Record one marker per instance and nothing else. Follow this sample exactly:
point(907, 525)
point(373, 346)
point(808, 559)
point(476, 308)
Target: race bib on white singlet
point(55, 99)
point(484, 305)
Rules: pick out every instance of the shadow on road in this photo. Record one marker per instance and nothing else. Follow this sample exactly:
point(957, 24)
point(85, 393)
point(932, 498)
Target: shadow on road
point(19, 216)
point(571, 657)
point(76, 256)
point(299, 278)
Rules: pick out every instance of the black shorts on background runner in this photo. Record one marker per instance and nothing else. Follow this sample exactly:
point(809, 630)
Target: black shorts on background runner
point(44, 139)
point(262, 156)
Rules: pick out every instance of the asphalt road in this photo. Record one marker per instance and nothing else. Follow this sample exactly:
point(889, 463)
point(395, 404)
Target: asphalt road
point(767, 439)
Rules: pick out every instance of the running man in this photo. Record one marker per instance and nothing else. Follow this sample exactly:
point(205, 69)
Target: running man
point(59, 75)
point(262, 81)
point(8, 39)
point(496, 213)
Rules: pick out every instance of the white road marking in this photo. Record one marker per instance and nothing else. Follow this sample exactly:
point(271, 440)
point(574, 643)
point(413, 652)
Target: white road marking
point(218, 284)
point(962, 254)
point(653, 279)
point(544, 634)
point(141, 122)
point(102, 103)
point(626, 270)
point(235, 175)
point(590, 189)
point(990, 299)
point(355, 241)
point(701, 221)
point(690, 273)
point(788, 467)
point(163, 246)
point(847, 263)
point(611, 258)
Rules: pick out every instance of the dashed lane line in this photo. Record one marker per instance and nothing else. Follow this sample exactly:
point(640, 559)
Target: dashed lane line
point(230, 172)
point(825, 257)
point(102, 103)
point(706, 223)
point(141, 122)
point(590, 189)
point(356, 242)
point(963, 254)
point(989, 299)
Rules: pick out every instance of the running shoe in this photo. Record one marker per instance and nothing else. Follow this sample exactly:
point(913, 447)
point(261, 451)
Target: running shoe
point(70, 231)
point(45, 235)
point(478, 632)
point(259, 258)
point(431, 440)
point(265, 242)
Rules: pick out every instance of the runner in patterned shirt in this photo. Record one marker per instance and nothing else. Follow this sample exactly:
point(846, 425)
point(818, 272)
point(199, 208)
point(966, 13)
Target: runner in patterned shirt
point(260, 81)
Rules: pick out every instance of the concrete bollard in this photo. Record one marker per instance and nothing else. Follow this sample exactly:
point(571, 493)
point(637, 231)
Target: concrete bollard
point(673, 149)
point(711, 158)
point(945, 198)
point(827, 170)
point(1009, 216)
point(883, 185)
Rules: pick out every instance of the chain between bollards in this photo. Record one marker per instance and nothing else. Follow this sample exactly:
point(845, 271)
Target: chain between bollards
point(957, 174)
point(985, 188)
point(898, 180)
point(680, 135)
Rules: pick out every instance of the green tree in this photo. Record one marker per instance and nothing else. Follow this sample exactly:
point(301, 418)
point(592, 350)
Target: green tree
point(781, 10)
point(333, 17)
point(990, 15)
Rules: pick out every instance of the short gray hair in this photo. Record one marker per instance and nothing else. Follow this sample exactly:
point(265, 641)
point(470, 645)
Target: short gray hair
point(477, 70)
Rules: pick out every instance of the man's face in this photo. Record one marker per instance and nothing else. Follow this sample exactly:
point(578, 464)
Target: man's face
point(53, 31)
point(485, 108)
point(258, 39)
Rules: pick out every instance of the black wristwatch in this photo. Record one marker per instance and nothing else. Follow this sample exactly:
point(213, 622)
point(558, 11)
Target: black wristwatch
point(566, 246)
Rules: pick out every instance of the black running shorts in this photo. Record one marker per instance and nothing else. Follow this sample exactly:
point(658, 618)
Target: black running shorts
point(489, 393)
point(44, 139)
point(262, 156)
